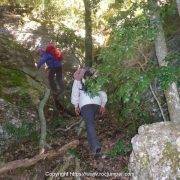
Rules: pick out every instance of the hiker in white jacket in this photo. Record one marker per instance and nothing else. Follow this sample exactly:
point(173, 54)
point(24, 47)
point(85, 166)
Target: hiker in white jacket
point(88, 106)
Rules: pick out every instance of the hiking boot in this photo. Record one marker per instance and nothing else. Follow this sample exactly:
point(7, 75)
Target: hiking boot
point(97, 153)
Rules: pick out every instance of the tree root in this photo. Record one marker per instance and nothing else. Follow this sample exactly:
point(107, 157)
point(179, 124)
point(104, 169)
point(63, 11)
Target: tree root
point(43, 120)
point(29, 162)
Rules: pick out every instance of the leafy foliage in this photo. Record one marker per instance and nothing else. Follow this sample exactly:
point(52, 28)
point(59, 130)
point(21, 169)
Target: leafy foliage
point(123, 59)
point(120, 148)
point(126, 69)
point(93, 85)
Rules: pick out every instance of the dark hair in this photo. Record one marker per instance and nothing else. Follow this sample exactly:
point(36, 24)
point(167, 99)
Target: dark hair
point(88, 73)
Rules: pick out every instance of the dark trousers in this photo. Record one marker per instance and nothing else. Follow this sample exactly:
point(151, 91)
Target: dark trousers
point(88, 112)
point(55, 75)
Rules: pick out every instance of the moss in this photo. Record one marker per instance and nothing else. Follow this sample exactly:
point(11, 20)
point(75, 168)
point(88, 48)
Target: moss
point(144, 160)
point(170, 153)
point(13, 78)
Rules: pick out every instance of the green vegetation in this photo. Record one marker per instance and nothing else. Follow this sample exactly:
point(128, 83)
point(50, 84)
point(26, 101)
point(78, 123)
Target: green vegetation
point(123, 58)
point(13, 79)
point(26, 131)
point(120, 148)
point(125, 63)
point(56, 122)
point(74, 153)
point(124, 34)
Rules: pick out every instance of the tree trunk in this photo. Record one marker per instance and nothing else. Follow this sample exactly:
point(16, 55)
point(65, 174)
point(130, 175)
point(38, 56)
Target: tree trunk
point(178, 6)
point(171, 94)
point(88, 33)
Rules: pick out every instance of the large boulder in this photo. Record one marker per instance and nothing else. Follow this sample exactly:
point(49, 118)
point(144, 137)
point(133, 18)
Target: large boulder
point(156, 152)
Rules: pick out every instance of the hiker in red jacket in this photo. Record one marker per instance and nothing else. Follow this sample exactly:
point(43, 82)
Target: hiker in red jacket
point(52, 56)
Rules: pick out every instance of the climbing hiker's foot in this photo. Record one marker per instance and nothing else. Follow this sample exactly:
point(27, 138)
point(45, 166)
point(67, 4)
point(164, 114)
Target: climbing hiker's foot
point(97, 153)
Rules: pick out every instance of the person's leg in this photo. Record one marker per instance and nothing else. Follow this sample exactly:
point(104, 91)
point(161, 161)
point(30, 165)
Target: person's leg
point(88, 112)
point(51, 78)
point(59, 78)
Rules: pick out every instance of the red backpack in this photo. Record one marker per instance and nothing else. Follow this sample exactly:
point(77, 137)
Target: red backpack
point(55, 52)
point(58, 54)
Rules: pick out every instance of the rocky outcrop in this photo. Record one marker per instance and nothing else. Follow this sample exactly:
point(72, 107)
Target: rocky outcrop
point(156, 151)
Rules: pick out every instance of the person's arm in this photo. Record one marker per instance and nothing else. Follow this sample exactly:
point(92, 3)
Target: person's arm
point(61, 58)
point(79, 74)
point(41, 61)
point(103, 97)
point(75, 95)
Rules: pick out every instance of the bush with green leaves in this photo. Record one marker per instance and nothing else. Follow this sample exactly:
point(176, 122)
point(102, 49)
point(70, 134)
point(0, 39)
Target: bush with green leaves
point(125, 63)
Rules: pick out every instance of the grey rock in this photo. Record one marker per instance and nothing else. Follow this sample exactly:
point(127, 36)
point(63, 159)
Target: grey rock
point(156, 152)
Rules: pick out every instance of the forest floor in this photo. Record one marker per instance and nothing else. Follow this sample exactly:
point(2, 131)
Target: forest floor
point(112, 161)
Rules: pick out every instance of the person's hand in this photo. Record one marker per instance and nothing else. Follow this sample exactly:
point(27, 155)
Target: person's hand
point(77, 111)
point(78, 75)
point(102, 110)
point(35, 64)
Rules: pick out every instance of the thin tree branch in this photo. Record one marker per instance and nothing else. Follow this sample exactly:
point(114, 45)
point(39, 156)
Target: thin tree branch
point(70, 127)
point(81, 127)
point(153, 93)
point(159, 105)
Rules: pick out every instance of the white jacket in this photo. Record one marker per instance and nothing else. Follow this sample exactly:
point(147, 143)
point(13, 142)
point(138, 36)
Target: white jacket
point(79, 98)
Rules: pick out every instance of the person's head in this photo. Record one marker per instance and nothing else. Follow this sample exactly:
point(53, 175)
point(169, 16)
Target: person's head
point(50, 48)
point(88, 73)
point(91, 85)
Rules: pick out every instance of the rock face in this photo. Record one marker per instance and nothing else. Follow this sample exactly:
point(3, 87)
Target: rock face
point(156, 152)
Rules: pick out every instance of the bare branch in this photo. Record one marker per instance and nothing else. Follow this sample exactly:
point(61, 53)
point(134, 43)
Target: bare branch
point(70, 127)
point(151, 89)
